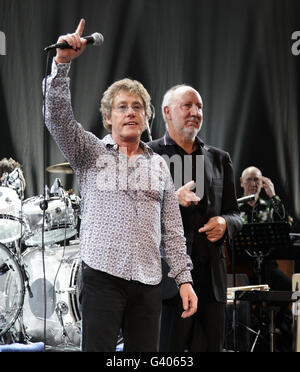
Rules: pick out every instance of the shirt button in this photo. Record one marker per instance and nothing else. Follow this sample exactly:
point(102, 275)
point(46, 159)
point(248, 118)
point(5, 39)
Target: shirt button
point(137, 244)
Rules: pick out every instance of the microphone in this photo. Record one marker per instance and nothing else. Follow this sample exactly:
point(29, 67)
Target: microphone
point(246, 199)
point(96, 39)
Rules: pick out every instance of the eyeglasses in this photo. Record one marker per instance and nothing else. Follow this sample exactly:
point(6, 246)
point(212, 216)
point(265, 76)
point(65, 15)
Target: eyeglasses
point(255, 179)
point(122, 109)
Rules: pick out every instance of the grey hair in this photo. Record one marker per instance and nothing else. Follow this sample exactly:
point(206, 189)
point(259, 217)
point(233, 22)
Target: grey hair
point(168, 98)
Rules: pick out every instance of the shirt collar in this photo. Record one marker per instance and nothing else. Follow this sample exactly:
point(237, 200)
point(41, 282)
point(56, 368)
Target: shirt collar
point(110, 142)
point(168, 141)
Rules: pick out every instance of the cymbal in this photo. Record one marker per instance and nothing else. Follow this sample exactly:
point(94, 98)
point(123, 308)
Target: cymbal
point(60, 168)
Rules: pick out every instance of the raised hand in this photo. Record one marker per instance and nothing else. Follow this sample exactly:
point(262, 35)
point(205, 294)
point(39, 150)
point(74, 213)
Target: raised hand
point(268, 185)
point(77, 43)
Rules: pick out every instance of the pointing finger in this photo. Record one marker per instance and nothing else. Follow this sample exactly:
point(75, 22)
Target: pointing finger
point(190, 185)
point(80, 27)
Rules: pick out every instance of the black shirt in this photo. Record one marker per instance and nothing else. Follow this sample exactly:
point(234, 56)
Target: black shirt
point(194, 216)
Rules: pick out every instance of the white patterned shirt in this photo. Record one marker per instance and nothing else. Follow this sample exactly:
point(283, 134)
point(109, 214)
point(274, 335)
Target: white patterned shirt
point(129, 209)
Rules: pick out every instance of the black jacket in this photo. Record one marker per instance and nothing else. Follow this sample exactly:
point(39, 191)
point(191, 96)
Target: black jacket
point(220, 200)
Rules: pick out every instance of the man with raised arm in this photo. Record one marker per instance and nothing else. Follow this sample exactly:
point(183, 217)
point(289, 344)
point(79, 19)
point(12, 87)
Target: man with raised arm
point(129, 208)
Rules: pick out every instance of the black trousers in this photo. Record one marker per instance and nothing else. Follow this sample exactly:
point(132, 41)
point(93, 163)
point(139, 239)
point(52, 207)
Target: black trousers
point(202, 332)
point(111, 304)
point(205, 330)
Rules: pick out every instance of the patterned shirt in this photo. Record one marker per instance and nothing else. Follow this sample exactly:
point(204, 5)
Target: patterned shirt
point(128, 208)
point(271, 210)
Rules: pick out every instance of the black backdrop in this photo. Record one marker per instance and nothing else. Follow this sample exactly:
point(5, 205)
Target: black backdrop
point(237, 53)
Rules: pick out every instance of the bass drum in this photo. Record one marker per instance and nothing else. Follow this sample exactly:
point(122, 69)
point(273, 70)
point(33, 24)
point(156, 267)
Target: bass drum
point(11, 289)
point(62, 277)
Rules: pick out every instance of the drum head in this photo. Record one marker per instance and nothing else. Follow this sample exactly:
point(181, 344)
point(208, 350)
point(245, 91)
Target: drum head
point(11, 289)
point(10, 211)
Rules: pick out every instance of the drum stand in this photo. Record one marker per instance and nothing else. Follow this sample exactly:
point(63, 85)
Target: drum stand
point(23, 337)
point(61, 309)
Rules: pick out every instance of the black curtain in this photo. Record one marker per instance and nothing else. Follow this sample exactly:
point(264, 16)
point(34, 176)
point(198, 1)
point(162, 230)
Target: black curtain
point(237, 53)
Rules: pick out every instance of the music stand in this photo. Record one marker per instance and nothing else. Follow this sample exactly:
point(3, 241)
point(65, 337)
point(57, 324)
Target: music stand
point(260, 240)
point(257, 241)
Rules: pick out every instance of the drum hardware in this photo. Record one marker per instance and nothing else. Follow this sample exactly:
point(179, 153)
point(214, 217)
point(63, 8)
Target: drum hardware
point(50, 219)
point(17, 223)
point(59, 223)
point(71, 290)
point(74, 242)
point(57, 189)
point(62, 309)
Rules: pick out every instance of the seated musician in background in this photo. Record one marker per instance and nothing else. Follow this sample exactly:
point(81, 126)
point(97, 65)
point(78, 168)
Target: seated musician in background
point(9, 165)
point(262, 210)
point(13, 180)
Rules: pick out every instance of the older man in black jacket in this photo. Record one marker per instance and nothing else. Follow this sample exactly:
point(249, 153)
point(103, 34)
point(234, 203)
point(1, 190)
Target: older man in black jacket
point(210, 214)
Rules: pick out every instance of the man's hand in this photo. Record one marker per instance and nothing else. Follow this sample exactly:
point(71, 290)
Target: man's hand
point(268, 186)
point(189, 300)
point(77, 43)
point(215, 228)
point(185, 196)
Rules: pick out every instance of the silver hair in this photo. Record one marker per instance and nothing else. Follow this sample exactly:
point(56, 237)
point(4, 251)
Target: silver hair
point(168, 98)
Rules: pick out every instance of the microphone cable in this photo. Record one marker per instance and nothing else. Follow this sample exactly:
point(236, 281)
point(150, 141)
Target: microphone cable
point(152, 117)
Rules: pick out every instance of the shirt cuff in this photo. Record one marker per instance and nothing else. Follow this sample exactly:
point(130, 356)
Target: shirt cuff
point(60, 69)
point(184, 277)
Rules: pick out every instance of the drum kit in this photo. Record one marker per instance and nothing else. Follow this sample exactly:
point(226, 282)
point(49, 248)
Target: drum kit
point(40, 271)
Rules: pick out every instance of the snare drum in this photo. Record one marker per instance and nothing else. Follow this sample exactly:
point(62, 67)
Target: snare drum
point(60, 221)
point(10, 212)
point(11, 289)
point(62, 274)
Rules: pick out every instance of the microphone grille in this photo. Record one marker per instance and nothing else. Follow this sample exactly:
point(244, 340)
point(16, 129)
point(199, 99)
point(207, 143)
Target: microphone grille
point(98, 39)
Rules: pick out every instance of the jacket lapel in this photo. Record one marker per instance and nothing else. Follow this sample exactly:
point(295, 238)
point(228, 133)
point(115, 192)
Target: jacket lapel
point(208, 172)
